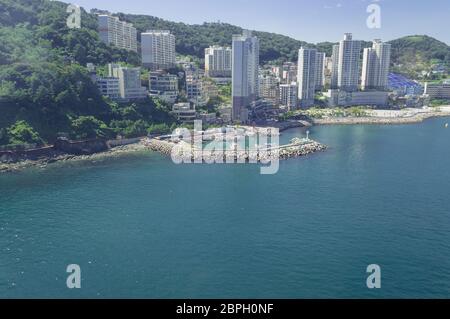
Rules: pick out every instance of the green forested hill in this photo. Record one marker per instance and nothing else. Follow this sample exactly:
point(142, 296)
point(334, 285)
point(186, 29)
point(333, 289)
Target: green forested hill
point(192, 39)
point(413, 54)
point(44, 85)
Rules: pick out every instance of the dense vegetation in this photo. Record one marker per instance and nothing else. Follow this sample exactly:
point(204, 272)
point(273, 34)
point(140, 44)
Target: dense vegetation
point(414, 54)
point(193, 39)
point(45, 88)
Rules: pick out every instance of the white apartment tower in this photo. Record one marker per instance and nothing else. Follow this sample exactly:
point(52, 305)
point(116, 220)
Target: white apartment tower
point(245, 80)
point(334, 67)
point(121, 34)
point(306, 77)
point(218, 61)
point(375, 69)
point(158, 49)
point(320, 70)
point(348, 65)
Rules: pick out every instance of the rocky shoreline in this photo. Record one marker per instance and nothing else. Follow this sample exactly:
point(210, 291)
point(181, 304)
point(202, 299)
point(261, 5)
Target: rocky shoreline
point(166, 148)
point(6, 167)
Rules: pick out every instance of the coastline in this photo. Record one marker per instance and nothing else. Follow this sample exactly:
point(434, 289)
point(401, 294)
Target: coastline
point(44, 162)
point(381, 117)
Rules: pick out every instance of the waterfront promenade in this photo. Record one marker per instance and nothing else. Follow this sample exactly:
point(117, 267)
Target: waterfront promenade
point(405, 116)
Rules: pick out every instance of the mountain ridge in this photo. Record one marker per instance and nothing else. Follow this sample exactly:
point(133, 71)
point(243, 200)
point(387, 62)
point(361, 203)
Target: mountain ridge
point(193, 38)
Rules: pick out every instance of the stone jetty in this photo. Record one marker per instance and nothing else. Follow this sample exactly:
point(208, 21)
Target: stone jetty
point(297, 148)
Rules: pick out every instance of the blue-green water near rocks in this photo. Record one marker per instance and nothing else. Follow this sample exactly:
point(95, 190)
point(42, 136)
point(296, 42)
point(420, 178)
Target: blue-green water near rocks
point(140, 226)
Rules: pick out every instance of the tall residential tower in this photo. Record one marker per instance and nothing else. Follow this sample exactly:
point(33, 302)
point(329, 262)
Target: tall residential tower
point(121, 34)
point(158, 49)
point(375, 70)
point(306, 78)
point(334, 67)
point(349, 64)
point(320, 70)
point(218, 61)
point(244, 73)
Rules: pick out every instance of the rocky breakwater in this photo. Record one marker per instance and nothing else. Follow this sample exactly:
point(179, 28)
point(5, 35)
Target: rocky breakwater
point(160, 146)
point(301, 147)
point(297, 148)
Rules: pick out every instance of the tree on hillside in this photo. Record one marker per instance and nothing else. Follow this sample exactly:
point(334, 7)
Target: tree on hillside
point(22, 133)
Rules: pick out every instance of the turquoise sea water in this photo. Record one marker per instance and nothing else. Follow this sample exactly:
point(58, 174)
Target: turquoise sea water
point(140, 226)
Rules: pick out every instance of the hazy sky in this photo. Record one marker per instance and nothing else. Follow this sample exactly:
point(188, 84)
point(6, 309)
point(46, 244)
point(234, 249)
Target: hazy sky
point(309, 20)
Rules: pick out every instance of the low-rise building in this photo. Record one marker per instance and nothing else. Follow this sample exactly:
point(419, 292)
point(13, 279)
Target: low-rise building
point(289, 95)
point(200, 89)
point(357, 98)
point(289, 72)
point(209, 89)
point(208, 118)
point(109, 87)
point(164, 86)
point(411, 101)
point(194, 91)
point(437, 91)
point(184, 112)
point(226, 113)
point(130, 86)
point(269, 87)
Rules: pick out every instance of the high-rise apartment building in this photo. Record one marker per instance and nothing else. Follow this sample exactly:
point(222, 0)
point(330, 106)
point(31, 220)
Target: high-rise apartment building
point(306, 77)
point(121, 34)
point(334, 67)
point(158, 49)
point(244, 73)
point(320, 70)
point(349, 64)
point(218, 62)
point(375, 69)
